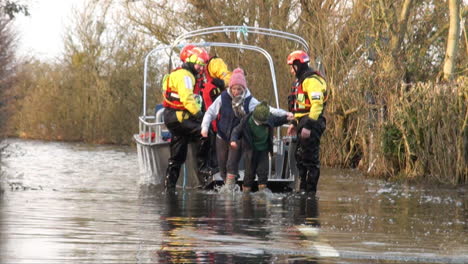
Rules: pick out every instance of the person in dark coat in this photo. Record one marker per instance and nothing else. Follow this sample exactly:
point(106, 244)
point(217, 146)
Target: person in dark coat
point(255, 134)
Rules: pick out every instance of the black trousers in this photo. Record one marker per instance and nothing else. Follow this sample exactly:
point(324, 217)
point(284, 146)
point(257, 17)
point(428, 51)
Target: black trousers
point(182, 133)
point(256, 162)
point(307, 154)
point(212, 157)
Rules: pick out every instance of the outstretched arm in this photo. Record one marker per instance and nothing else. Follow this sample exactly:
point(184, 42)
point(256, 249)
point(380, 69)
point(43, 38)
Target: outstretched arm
point(277, 120)
point(236, 134)
point(210, 115)
point(275, 111)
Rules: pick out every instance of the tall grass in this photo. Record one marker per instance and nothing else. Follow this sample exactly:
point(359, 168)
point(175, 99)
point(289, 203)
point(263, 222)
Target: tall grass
point(419, 133)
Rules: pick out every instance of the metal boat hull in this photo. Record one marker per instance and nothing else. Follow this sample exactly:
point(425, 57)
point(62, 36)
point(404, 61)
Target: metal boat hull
point(153, 160)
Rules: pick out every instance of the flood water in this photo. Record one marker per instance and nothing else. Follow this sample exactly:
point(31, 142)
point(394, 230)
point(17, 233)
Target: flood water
point(79, 203)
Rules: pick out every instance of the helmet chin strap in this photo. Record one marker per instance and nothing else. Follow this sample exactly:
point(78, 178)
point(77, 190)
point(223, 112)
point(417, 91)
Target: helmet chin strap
point(295, 68)
point(299, 68)
point(191, 67)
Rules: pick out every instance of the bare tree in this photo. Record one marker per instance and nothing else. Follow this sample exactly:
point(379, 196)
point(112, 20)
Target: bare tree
point(12, 8)
point(8, 10)
point(452, 39)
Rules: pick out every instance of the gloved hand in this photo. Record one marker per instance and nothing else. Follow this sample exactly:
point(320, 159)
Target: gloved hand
point(199, 116)
point(215, 92)
point(305, 133)
point(219, 83)
point(290, 116)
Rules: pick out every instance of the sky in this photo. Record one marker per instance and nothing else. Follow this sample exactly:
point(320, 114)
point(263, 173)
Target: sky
point(41, 33)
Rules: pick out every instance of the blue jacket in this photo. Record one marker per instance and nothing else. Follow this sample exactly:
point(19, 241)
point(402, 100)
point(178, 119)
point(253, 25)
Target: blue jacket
point(227, 120)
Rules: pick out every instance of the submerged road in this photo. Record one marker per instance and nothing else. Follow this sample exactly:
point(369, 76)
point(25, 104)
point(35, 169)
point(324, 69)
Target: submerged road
point(78, 203)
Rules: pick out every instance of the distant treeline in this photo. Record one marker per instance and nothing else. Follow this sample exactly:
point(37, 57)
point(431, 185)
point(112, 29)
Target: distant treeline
point(396, 72)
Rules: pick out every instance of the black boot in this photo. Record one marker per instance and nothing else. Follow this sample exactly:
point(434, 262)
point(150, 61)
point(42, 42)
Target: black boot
point(302, 178)
point(203, 151)
point(172, 175)
point(313, 175)
point(204, 172)
point(204, 177)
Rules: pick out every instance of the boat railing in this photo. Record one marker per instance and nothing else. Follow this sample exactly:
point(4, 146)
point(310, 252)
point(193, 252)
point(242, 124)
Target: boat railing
point(152, 129)
point(238, 29)
point(244, 31)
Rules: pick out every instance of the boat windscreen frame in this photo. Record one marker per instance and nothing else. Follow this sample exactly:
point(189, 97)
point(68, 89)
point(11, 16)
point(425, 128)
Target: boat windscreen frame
point(245, 31)
point(240, 30)
point(212, 44)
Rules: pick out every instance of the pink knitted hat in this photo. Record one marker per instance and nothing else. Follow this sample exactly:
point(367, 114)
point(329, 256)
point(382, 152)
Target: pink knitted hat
point(238, 77)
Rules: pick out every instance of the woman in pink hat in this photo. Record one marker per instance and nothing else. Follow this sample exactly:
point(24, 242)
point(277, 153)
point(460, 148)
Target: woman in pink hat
point(233, 104)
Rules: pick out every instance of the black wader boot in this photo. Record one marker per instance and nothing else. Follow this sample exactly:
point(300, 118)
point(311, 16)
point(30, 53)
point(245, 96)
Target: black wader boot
point(302, 171)
point(203, 170)
point(308, 154)
point(172, 175)
point(313, 175)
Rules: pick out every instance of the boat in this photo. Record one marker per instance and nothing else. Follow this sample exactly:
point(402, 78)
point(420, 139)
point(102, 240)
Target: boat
point(153, 138)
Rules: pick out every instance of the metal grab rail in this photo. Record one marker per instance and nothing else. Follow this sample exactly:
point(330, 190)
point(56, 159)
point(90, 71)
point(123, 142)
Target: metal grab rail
point(219, 44)
point(213, 44)
point(244, 30)
point(145, 72)
point(223, 29)
point(151, 132)
point(254, 48)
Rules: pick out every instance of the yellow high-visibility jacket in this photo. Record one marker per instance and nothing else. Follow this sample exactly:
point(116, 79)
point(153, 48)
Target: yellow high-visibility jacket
point(315, 87)
point(181, 83)
point(217, 68)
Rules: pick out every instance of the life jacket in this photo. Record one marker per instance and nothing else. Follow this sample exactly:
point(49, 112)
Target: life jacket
point(206, 88)
point(227, 120)
point(200, 88)
point(298, 100)
point(171, 97)
point(208, 91)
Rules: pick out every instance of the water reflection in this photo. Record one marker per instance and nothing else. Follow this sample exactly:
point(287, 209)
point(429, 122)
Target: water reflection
point(206, 227)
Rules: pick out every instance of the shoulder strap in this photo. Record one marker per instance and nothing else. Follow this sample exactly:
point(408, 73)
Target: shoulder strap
point(247, 103)
point(315, 77)
point(310, 74)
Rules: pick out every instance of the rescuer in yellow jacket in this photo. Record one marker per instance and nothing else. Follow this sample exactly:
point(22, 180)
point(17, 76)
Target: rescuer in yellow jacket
point(306, 101)
point(214, 80)
point(183, 115)
point(209, 85)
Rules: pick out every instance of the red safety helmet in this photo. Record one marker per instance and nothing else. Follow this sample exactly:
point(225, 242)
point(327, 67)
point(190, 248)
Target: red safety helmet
point(194, 54)
point(186, 52)
point(299, 55)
